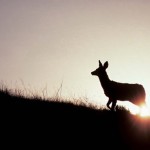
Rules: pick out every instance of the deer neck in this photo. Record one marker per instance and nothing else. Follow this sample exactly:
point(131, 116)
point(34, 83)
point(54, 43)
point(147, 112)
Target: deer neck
point(104, 80)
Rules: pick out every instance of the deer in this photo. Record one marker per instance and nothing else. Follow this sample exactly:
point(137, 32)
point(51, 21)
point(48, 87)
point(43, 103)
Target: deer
point(134, 93)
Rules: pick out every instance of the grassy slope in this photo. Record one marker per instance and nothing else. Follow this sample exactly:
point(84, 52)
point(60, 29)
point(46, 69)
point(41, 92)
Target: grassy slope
point(59, 124)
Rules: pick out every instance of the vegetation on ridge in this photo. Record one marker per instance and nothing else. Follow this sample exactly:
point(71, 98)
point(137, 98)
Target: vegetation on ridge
point(65, 123)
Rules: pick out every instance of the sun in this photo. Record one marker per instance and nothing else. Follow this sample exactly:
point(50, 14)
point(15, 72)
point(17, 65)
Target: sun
point(142, 111)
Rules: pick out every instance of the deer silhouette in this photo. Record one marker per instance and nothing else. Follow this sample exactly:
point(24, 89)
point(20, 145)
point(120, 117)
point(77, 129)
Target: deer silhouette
point(133, 93)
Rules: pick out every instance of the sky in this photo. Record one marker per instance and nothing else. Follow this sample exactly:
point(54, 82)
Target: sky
point(44, 44)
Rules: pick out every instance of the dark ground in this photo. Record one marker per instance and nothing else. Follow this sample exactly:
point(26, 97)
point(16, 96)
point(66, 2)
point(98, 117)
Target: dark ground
point(33, 123)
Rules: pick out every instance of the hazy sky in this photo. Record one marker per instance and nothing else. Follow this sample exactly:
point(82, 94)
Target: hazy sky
point(45, 42)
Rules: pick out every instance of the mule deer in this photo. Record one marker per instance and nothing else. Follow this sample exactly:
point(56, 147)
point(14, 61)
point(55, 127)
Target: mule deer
point(133, 93)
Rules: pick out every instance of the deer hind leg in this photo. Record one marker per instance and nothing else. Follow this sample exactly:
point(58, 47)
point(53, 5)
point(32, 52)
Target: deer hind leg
point(113, 105)
point(108, 103)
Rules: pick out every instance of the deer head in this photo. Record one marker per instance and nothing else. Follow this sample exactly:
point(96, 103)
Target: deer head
point(101, 69)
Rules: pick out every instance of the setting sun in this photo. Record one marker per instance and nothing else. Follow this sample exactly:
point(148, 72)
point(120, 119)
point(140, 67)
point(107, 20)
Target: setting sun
point(143, 111)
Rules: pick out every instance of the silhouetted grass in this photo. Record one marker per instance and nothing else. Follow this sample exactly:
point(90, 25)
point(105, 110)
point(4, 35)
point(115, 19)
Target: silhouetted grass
point(51, 123)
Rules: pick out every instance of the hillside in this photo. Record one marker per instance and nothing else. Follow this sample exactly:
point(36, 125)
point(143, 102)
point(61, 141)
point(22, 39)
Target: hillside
point(52, 124)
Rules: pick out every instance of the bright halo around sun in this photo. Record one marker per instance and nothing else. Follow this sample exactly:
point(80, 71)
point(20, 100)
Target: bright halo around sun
point(144, 111)
point(134, 110)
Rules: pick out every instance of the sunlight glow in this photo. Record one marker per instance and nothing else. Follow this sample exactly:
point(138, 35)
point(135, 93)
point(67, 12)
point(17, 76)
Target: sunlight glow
point(143, 111)
point(134, 110)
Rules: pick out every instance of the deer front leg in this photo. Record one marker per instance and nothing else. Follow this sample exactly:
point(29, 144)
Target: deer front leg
point(108, 103)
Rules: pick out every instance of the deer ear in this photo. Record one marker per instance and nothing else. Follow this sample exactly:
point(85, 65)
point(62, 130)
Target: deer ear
point(106, 65)
point(100, 64)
